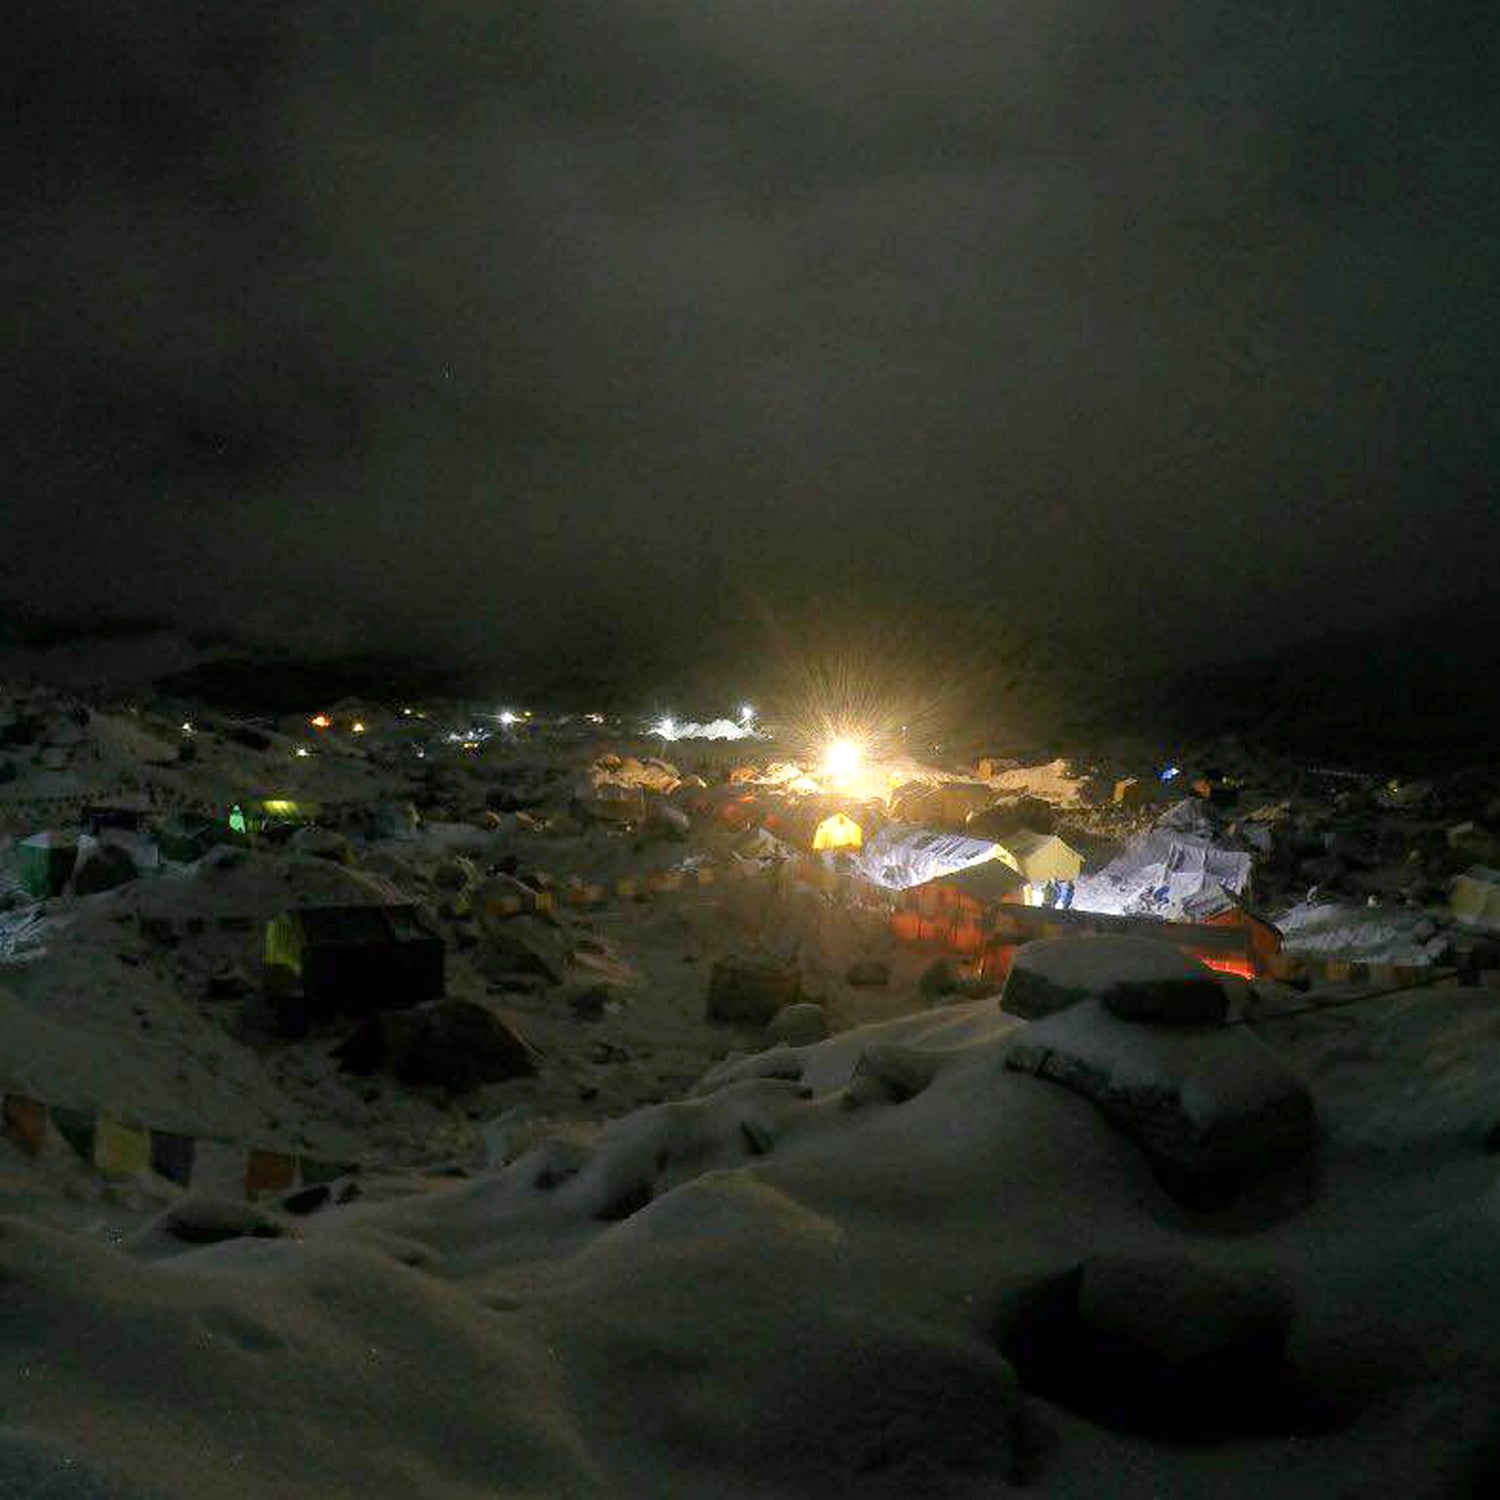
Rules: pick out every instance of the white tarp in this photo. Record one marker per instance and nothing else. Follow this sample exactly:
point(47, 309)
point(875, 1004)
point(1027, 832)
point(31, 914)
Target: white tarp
point(1163, 873)
point(899, 858)
point(1359, 934)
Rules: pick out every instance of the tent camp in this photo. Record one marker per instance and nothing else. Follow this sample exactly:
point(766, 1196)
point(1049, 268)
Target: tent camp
point(1040, 857)
point(325, 961)
point(1475, 899)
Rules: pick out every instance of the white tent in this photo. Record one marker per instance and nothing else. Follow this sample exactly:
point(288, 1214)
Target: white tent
point(1166, 874)
point(899, 858)
point(1475, 899)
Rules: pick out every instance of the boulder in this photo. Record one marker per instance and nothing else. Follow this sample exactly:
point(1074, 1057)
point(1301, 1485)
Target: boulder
point(1162, 1346)
point(499, 897)
point(1176, 1313)
point(669, 820)
point(524, 945)
point(940, 977)
point(455, 873)
point(889, 1074)
point(323, 843)
point(798, 1025)
point(207, 1221)
point(1013, 815)
point(751, 990)
point(1136, 978)
point(1211, 1106)
point(455, 1045)
point(594, 1002)
point(609, 802)
point(868, 971)
point(107, 866)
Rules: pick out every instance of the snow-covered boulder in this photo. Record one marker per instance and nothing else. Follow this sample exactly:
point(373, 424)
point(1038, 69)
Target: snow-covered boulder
point(1176, 1311)
point(524, 945)
point(1211, 1106)
point(1133, 977)
point(750, 990)
point(798, 1025)
point(1160, 1344)
point(451, 1044)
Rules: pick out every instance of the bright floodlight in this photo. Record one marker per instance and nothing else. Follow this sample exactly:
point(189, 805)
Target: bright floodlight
point(747, 712)
point(508, 718)
point(841, 758)
point(666, 728)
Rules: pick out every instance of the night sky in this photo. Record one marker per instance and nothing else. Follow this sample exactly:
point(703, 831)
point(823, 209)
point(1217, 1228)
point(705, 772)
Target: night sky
point(502, 330)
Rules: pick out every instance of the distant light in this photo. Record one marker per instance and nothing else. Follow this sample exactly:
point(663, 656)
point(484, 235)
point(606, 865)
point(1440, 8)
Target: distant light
point(747, 712)
point(320, 721)
point(407, 712)
point(594, 718)
point(301, 750)
point(508, 718)
point(1170, 772)
point(187, 726)
point(357, 727)
point(666, 728)
point(842, 758)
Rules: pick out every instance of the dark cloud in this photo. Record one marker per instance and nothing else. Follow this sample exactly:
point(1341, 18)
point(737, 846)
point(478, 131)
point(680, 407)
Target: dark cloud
point(523, 330)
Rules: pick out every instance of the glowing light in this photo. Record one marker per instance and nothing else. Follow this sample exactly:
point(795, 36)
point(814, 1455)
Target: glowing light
point(747, 712)
point(1171, 772)
point(187, 726)
point(508, 718)
point(357, 727)
point(301, 750)
point(320, 721)
point(842, 758)
point(666, 728)
point(594, 718)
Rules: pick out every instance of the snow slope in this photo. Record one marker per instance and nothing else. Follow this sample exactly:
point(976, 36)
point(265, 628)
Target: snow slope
point(755, 1292)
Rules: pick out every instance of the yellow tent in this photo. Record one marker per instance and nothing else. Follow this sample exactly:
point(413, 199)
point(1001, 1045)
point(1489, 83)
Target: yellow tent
point(1040, 857)
point(838, 831)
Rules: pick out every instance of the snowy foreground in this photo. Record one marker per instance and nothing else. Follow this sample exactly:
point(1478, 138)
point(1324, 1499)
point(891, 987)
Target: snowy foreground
point(763, 1290)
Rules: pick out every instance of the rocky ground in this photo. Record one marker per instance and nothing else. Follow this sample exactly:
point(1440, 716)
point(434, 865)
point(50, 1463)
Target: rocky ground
point(715, 1187)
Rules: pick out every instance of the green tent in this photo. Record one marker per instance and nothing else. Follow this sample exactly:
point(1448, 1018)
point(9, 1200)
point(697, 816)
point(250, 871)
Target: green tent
point(45, 861)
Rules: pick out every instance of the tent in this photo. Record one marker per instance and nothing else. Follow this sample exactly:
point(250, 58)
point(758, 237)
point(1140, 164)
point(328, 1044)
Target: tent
point(957, 909)
point(898, 858)
point(184, 837)
point(1040, 857)
point(252, 815)
point(1164, 873)
point(838, 831)
point(325, 961)
point(1475, 899)
point(45, 861)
